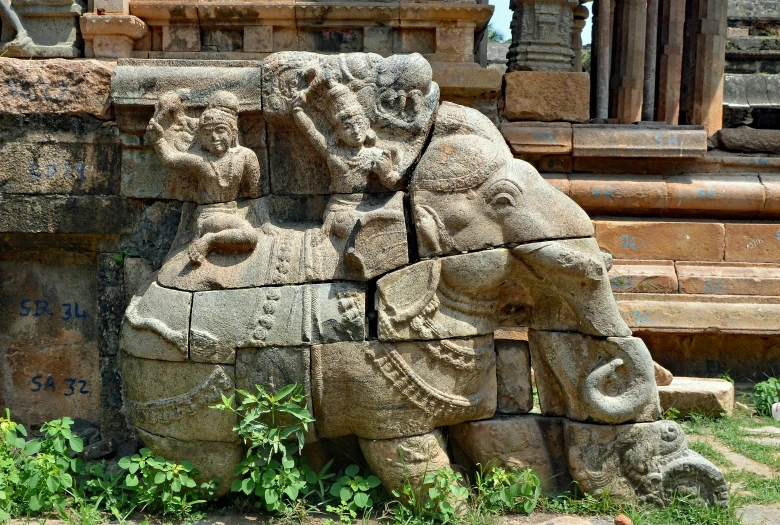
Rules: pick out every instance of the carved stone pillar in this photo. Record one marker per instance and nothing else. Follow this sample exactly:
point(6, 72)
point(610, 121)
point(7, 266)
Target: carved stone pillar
point(704, 63)
point(541, 35)
point(651, 51)
point(580, 16)
point(42, 29)
point(670, 60)
point(630, 42)
point(603, 11)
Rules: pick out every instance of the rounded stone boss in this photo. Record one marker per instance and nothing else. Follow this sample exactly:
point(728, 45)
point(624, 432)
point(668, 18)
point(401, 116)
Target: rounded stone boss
point(357, 237)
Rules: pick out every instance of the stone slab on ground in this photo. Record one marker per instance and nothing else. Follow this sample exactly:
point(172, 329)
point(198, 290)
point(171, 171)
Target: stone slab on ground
point(696, 395)
point(760, 514)
point(750, 139)
point(738, 461)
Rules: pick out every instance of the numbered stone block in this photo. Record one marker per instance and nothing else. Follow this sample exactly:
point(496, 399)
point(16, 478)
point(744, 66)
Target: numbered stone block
point(35, 159)
point(729, 278)
point(753, 242)
point(262, 317)
point(598, 140)
point(157, 324)
point(619, 193)
point(49, 354)
point(172, 399)
point(56, 87)
point(537, 138)
point(664, 240)
point(716, 195)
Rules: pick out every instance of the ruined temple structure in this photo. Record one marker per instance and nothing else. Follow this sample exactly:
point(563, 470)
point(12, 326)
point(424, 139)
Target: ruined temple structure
point(199, 197)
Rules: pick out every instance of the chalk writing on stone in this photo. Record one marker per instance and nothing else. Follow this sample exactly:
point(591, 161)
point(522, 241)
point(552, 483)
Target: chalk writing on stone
point(41, 308)
point(628, 242)
point(72, 385)
point(713, 286)
point(67, 170)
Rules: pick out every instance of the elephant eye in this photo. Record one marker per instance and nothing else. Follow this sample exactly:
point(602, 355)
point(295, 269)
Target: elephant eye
point(502, 195)
point(502, 200)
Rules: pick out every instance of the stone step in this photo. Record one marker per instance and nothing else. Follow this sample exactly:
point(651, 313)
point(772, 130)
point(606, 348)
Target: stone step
point(697, 395)
point(696, 313)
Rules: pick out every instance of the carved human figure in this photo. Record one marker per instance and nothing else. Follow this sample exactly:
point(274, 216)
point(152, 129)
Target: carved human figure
point(221, 168)
point(350, 148)
point(22, 43)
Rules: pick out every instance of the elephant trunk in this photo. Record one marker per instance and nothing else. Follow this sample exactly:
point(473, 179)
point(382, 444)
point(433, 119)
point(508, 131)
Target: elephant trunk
point(626, 405)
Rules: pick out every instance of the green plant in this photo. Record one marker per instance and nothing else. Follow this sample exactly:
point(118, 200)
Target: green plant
point(672, 414)
point(39, 472)
point(355, 493)
point(439, 499)
point(503, 491)
point(765, 394)
point(162, 486)
point(272, 427)
point(726, 376)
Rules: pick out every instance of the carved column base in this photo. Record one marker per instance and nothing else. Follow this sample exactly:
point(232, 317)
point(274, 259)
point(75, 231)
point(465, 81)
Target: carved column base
point(52, 30)
point(112, 35)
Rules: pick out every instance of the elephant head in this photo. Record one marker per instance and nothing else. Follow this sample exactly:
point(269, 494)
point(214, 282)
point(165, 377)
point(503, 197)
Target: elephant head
point(471, 197)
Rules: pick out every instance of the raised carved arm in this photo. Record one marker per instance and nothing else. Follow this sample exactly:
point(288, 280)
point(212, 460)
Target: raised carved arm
point(306, 125)
point(173, 158)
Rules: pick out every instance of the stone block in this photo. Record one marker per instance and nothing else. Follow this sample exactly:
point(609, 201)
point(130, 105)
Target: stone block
point(697, 395)
point(597, 140)
point(585, 378)
point(386, 391)
point(212, 459)
point(90, 214)
point(288, 316)
point(664, 240)
point(640, 276)
point(181, 37)
point(559, 181)
point(554, 164)
point(515, 444)
point(634, 194)
point(729, 278)
point(121, 7)
point(751, 242)
point(39, 160)
point(259, 39)
point(56, 86)
point(547, 96)
point(406, 461)
point(771, 183)
point(157, 324)
point(750, 139)
point(378, 39)
point(686, 313)
point(137, 273)
point(408, 300)
point(371, 240)
point(737, 195)
point(112, 35)
point(455, 79)
point(604, 458)
point(513, 376)
point(172, 399)
point(49, 352)
point(274, 368)
point(530, 138)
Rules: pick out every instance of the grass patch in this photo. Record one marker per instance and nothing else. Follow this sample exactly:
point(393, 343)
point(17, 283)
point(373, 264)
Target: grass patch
point(755, 489)
point(709, 452)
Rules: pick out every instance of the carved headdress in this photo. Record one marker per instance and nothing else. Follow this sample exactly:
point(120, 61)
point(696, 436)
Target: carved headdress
point(222, 108)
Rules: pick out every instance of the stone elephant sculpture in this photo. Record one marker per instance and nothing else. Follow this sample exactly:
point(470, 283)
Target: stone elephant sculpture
point(389, 324)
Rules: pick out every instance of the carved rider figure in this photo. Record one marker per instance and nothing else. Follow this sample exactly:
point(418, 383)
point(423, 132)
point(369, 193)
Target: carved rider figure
point(221, 168)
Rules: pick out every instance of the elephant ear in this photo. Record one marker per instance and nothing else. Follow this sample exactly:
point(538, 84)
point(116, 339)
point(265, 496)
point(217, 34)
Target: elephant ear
point(407, 292)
